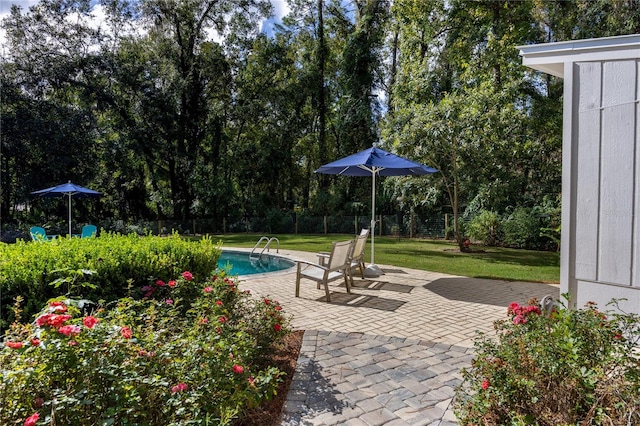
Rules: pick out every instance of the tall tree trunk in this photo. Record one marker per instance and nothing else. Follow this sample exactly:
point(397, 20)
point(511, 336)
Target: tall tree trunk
point(322, 113)
point(392, 71)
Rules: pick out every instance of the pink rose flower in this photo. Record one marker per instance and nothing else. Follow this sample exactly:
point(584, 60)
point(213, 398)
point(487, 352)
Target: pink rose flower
point(187, 275)
point(13, 345)
point(89, 321)
point(32, 419)
point(69, 330)
point(126, 332)
point(238, 369)
point(180, 387)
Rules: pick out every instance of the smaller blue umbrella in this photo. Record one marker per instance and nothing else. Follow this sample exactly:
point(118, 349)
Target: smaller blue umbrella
point(68, 190)
point(372, 162)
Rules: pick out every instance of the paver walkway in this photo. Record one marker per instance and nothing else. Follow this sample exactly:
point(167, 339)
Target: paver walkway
point(389, 353)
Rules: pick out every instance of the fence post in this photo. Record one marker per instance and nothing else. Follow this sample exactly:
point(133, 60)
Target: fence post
point(412, 225)
point(159, 227)
point(446, 224)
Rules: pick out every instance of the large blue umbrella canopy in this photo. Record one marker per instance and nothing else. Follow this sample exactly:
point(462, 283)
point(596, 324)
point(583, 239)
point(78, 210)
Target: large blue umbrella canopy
point(68, 190)
point(372, 162)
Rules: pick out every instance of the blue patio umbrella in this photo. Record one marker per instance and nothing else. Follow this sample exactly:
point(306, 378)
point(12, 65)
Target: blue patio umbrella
point(372, 162)
point(68, 190)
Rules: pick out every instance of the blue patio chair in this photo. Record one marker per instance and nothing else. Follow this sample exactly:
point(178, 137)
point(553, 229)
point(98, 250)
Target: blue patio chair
point(39, 234)
point(89, 231)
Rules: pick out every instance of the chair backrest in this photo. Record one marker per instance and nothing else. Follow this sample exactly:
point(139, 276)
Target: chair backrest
point(339, 255)
point(38, 233)
point(89, 231)
point(361, 241)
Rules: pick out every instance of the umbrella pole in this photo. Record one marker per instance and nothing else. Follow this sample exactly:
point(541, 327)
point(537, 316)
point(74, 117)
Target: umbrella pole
point(373, 270)
point(69, 215)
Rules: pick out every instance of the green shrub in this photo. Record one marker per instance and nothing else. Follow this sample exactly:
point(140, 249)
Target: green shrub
point(28, 268)
point(170, 359)
point(566, 368)
point(484, 227)
point(522, 228)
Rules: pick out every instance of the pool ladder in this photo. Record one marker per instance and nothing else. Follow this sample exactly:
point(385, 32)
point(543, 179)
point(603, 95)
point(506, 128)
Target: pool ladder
point(253, 254)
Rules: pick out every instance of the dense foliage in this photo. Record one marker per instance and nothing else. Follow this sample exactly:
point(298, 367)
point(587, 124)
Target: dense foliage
point(185, 109)
point(105, 268)
point(559, 367)
point(193, 352)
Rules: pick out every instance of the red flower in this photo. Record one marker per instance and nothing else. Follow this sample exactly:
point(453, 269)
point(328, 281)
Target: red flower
point(89, 321)
point(219, 302)
point(53, 320)
point(35, 341)
point(172, 283)
point(277, 327)
point(13, 345)
point(169, 301)
point(72, 343)
point(485, 384)
point(267, 301)
point(160, 283)
point(69, 330)
point(32, 419)
point(126, 332)
point(513, 308)
point(208, 289)
point(222, 320)
point(58, 307)
point(187, 275)
point(278, 308)
point(180, 387)
point(238, 369)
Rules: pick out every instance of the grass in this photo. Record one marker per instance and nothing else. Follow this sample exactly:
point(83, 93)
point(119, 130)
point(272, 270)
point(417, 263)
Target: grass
point(430, 255)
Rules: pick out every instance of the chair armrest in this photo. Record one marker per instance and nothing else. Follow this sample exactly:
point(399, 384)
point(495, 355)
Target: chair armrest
point(323, 256)
point(315, 265)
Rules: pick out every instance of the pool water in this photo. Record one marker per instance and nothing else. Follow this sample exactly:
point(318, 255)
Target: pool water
point(239, 263)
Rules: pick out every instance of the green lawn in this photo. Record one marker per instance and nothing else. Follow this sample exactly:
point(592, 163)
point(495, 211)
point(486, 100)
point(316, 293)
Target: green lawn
point(430, 255)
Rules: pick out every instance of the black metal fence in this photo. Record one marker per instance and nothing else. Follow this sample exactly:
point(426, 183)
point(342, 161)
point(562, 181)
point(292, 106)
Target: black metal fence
point(388, 225)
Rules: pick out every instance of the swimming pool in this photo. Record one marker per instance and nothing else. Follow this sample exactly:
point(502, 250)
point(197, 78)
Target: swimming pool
point(239, 263)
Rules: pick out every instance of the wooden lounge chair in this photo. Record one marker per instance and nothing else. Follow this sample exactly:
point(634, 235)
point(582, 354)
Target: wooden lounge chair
point(357, 256)
point(335, 267)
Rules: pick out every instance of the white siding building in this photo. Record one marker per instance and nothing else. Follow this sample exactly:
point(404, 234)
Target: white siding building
point(600, 246)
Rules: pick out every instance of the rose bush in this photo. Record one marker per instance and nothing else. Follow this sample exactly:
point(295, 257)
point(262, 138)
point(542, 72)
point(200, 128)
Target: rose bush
point(197, 360)
point(564, 367)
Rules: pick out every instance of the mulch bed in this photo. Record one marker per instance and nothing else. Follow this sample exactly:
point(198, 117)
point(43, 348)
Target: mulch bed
point(285, 358)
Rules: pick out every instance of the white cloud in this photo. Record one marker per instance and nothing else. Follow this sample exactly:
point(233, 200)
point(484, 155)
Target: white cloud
point(280, 8)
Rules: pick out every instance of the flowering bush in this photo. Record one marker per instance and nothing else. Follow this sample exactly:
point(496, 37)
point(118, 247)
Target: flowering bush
point(564, 367)
point(192, 361)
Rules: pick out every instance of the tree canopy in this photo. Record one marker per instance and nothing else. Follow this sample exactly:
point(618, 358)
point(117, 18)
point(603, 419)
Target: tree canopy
point(185, 109)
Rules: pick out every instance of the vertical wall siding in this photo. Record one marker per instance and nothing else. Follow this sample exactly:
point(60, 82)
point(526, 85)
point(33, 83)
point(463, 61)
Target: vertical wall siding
point(607, 171)
point(589, 76)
